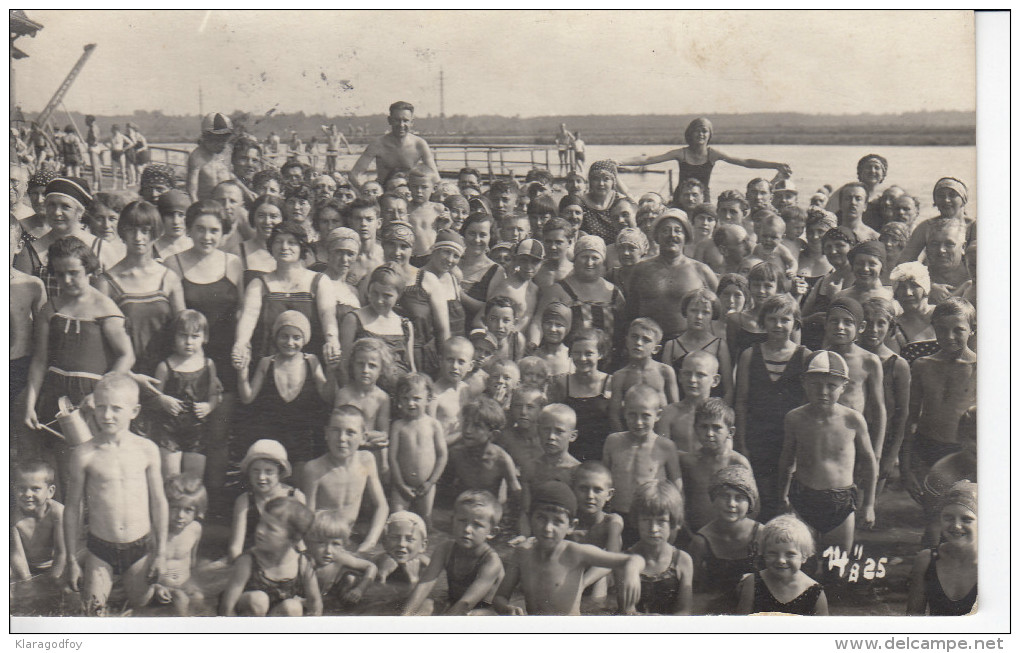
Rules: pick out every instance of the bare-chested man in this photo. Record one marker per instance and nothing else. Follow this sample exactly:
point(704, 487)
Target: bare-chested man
point(116, 478)
point(657, 285)
point(339, 479)
point(209, 163)
point(399, 150)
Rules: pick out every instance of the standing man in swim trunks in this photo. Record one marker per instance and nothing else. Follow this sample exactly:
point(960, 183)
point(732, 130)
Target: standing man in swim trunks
point(397, 151)
point(334, 140)
point(209, 163)
point(116, 477)
point(564, 145)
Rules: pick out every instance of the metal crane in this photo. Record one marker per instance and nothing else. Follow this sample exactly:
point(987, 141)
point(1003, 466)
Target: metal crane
point(51, 106)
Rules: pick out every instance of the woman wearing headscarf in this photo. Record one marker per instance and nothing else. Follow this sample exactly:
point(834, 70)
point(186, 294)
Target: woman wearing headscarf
point(697, 158)
point(950, 198)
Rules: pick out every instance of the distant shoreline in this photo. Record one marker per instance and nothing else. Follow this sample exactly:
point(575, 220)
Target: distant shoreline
point(928, 138)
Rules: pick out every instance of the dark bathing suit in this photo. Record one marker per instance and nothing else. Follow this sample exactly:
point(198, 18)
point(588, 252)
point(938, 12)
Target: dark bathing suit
point(764, 601)
point(823, 510)
point(119, 555)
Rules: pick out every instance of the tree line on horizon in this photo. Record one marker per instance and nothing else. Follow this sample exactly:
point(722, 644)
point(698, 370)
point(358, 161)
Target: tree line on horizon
point(913, 128)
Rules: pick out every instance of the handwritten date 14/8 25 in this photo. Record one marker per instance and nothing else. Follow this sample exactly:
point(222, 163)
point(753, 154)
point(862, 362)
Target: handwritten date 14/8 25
point(855, 568)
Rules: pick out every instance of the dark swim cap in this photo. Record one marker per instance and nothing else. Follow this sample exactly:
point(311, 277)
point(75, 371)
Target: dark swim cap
point(556, 494)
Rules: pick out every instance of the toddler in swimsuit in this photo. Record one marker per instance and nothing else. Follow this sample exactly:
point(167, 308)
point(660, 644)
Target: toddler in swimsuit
point(473, 568)
point(273, 578)
point(782, 587)
point(190, 393)
point(658, 509)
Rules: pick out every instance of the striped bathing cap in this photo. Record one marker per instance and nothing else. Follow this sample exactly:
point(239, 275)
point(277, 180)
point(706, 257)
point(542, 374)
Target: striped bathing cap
point(74, 188)
point(827, 362)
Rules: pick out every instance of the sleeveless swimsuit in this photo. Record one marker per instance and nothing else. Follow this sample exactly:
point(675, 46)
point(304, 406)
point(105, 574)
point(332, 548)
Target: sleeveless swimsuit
point(249, 274)
point(278, 591)
point(935, 595)
point(477, 290)
point(415, 304)
point(593, 314)
point(678, 361)
point(185, 431)
point(252, 518)
point(592, 422)
point(764, 601)
point(218, 302)
point(296, 424)
point(659, 591)
point(458, 584)
point(148, 319)
point(767, 405)
point(78, 357)
point(701, 171)
point(396, 343)
point(274, 303)
point(723, 574)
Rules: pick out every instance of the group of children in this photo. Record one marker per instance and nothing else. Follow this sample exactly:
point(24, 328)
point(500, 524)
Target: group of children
point(433, 389)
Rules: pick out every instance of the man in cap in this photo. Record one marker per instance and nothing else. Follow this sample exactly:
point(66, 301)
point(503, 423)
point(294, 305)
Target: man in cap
point(864, 391)
point(658, 285)
point(398, 149)
point(823, 441)
point(209, 164)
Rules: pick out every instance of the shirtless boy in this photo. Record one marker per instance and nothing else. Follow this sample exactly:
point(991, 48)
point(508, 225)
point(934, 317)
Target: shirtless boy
point(341, 478)
point(865, 389)
point(823, 441)
point(399, 150)
point(208, 164)
point(37, 537)
point(115, 476)
point(557, 428)
point(942, 387)
point(713, 427)
point(593, 487)
point(417, 448)
point(422, 211)
point(644, 340)
point(699, 374)
point(477, 463)
point(639, 455)
point(451, 391)
point(551, 570)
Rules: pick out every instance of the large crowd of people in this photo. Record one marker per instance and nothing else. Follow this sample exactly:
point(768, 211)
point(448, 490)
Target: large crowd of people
point(490, 397)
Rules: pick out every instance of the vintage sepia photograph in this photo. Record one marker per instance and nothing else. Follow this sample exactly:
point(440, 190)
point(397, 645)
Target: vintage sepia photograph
point(483, 313)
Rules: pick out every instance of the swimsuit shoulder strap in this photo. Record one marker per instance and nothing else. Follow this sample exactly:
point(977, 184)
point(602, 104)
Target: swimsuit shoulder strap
point(244, 256)
point(113, 282)
point(180, 266)
point(567, 289)
point(226, 264)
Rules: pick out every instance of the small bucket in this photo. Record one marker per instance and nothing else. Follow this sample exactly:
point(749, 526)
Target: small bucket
point(76, 429)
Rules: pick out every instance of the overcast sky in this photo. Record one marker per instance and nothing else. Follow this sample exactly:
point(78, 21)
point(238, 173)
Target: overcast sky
point(524, 63)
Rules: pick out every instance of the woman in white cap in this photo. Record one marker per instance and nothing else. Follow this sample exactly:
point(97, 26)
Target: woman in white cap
point(593, 301)
point(433, 303)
